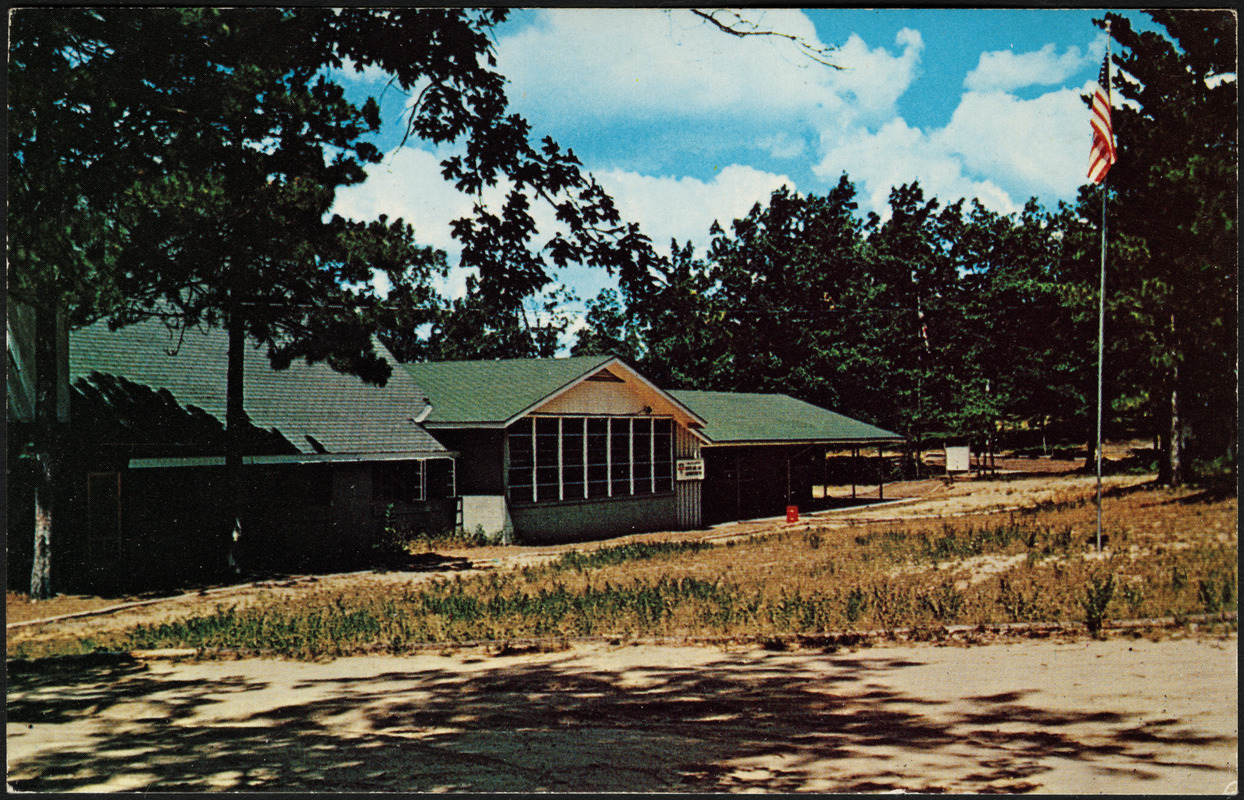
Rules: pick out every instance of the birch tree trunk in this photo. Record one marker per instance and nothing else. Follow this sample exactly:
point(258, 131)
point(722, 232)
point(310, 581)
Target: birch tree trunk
point(1176, 476)
point(1175, 453)
point(47, 441)
point(235, 416)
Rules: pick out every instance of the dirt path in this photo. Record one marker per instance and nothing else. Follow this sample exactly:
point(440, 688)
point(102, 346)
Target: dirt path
point(1123, 715)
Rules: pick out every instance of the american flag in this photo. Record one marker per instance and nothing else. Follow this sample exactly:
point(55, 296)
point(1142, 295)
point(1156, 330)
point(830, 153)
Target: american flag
point(1102, 155)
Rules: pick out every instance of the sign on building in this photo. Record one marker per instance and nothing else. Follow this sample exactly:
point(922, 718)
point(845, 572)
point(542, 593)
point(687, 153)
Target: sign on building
point(958, 459)
point(689, 469)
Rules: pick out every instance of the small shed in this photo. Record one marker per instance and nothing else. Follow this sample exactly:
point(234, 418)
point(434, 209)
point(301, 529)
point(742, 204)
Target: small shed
point(763, 452)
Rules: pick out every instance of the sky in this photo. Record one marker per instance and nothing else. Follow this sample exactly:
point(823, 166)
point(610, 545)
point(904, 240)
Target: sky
point(684, 124)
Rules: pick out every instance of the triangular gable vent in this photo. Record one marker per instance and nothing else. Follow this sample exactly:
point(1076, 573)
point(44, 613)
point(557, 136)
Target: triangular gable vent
point(604, 376)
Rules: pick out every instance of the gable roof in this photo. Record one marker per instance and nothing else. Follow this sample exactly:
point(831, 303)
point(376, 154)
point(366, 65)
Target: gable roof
point(166, 392)
point(754, 418)
point(495, 393)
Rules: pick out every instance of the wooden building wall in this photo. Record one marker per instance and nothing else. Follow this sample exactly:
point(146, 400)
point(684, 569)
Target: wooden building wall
point(687, 494)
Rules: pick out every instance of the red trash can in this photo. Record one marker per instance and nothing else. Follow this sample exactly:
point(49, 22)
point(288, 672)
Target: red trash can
point(792, 513)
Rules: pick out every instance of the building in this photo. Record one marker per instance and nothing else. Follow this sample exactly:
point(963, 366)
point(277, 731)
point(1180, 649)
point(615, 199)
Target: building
point(764, 452)
point(535, 450)
point(330, 462)
point(558, 449)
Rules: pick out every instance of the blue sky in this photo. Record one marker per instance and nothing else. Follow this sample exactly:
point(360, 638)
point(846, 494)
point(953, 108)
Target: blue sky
point(684, 124)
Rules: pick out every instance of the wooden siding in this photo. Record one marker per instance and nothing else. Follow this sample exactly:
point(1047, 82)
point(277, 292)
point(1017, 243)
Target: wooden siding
point(590, 520)
point(606, 399)
point(687, 493)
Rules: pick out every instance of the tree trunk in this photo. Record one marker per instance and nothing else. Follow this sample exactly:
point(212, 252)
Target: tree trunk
point(1176, 433)
point(46, 441)
point(235, 418)
point(1175, 452)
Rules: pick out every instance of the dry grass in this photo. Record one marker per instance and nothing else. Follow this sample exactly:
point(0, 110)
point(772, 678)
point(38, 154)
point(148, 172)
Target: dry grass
point(1168, 554)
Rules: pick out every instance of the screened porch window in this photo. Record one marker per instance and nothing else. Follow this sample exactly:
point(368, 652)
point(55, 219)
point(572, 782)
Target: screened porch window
point(581, 458)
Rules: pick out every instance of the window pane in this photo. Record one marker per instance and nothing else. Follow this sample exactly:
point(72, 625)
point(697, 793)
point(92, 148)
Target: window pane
point(546, 484)
point(664, 480)
point(440, 479)
point(520, 444)
point(520, 485)
point(663, 454)
point(522, 460)
point(597, 467)
point(546, 442)
point(398, 482)
point(642, 444)
point(572, 457)
point(620, 438)
point(546, 459)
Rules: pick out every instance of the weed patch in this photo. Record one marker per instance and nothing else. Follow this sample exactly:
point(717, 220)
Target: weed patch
point(922, 575)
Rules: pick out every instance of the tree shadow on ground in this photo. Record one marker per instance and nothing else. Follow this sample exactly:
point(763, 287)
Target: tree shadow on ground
point(505, 724)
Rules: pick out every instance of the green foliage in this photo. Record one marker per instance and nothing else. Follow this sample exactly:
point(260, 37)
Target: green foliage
point(1216, 592)
point(607, 329)
point(1179, 578)
point(619, 554)
point(1096, 601)
point(1019, 606)
point(920, 323)
point(1133, 595)
point(856, 604)
point(1176, 181)
point(944, 604)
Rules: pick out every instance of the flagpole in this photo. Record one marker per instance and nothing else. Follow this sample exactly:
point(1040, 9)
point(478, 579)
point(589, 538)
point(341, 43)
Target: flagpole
point(1101, 309)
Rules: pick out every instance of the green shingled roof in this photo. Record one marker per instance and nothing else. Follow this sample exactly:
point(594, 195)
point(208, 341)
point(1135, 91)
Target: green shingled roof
point(492, 392)
point(743, 418)
point(156, 387)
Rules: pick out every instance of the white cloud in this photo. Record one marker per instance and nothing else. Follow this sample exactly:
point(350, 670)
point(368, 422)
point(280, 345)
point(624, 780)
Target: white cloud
point(687, 83)
point(997, 147)
point(873, 80)
point(644, 63)
point(369, 74)
point(685, 208)
point(1006, 70)
point(898, 154)
point(783, 145)
point(408, 184)
point(1040, 144)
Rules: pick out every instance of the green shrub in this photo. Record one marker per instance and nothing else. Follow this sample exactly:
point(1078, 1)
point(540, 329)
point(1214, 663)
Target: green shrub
point(857, 604)
point(1018, 606)
point(1095, 602)
point(944, 603)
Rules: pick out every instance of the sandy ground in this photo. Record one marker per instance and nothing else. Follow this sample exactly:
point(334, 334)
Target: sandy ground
point(1126, 715)
point(1075, 715)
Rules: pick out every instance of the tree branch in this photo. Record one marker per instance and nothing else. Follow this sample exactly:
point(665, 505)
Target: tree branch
point(739, 26)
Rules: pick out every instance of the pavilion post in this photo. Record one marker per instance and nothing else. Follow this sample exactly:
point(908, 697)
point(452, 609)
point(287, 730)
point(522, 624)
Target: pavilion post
point(881, 473)
point(855, 469)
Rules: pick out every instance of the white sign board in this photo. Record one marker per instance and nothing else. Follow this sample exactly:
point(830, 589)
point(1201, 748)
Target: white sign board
point(958, 459)
point(689, 469)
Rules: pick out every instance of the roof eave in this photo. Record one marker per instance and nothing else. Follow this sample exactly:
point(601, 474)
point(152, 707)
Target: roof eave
point(611, 361)
point(851, 441)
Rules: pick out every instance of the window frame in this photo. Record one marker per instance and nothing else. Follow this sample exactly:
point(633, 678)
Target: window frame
point(382, 483)
point(616, 427)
